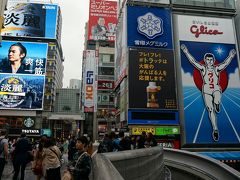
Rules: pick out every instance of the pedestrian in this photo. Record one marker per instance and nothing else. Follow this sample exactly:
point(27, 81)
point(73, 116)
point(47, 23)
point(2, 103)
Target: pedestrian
point(125, 142)
point(22, 156)
point(38, 158)
point(51, 160)
point(3, 151)
point(71, 148)
point(80, 166)
point(150, 140)
point(141, 140)
point(106, 145)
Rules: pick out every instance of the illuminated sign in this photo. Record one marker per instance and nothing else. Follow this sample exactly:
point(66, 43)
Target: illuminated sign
point(152, 79)
point(30, 20)
point(168, 130)
point(139, 130)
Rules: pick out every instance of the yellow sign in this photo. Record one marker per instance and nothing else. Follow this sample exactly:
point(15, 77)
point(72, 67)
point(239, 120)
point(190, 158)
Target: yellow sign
point(139, 130)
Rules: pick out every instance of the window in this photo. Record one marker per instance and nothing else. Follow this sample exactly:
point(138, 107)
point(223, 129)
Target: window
point(107, 58)
point(106, 71)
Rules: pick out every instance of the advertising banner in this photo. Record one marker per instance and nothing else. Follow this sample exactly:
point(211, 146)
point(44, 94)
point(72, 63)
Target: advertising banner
point(149, 27)
point(22, 75)
point(102, 20)
point(23, 57)
point(30, 20)
point(152, 79)
point(153, 1)
point(89, 80)
point(210, 77)
point(18, 91)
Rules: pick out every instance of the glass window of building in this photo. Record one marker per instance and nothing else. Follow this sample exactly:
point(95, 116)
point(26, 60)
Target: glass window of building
point(106, 71)
point(106, 58)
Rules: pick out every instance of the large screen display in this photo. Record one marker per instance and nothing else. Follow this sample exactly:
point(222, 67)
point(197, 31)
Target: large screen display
point(151, 79)
point(22, 74)
point(30, 20)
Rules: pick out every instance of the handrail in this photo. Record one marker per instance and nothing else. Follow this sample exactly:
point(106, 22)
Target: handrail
point(199, 165)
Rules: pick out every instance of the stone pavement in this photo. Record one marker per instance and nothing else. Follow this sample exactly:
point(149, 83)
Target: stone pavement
point(8, 170)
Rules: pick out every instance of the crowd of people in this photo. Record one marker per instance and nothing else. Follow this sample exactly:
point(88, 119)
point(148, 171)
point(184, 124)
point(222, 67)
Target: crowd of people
point(45, 155)
point(112, 142)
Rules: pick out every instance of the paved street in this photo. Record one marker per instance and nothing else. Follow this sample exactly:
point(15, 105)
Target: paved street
point(8, 171)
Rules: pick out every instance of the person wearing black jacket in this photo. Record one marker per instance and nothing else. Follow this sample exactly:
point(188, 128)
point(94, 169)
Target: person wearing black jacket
point(22, 156)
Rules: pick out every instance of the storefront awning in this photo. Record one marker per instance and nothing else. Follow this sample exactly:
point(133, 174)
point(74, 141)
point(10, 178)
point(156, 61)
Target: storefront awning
point(227, 155)
point(66, 117)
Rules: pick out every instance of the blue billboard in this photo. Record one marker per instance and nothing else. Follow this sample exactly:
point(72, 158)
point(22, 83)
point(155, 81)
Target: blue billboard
point(22, 75)
point(31, 57)
point(21, 91)
point(211, 94)
point(149, 27)
point(30, 20)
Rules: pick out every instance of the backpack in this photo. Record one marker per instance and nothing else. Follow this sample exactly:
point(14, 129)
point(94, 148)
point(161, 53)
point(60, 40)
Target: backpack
point(1, 146)
point(105, 146)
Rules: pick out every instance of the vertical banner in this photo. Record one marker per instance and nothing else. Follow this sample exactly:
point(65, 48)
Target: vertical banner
point(22, 74)
point(210, 79)
point(89, 80)
point(30, 20)
point(152, 79)
point(102, 20)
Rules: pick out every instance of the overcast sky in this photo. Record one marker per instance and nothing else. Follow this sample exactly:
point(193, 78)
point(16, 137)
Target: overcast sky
point(74, 15)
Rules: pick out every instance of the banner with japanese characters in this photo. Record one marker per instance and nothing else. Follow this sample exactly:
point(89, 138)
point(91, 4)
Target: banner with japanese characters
point(23, 92)
point(102, 20)
point(152, 79)
point(23, 57)
point(22, 75)
point(149, 27)
point(210, 80)
point(30, 20)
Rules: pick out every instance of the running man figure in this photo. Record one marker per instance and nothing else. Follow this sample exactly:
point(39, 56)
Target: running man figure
point(211, 90)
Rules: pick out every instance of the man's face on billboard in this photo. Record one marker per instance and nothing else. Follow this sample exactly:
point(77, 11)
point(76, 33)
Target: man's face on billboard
point(14, 54)
point(101, 21)
point(209, 61)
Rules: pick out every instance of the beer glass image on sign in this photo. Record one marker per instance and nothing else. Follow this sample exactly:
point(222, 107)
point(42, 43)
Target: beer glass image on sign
point(152, 90)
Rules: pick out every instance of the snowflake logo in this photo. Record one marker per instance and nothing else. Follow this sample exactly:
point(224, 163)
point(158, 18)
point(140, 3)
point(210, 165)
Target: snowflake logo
point(150, 25)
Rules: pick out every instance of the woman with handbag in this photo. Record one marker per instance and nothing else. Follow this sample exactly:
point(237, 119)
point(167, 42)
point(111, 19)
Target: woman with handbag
point(37, 166)
point(51, 160)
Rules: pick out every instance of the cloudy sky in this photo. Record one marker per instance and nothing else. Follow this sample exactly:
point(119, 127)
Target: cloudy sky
point(75, 15)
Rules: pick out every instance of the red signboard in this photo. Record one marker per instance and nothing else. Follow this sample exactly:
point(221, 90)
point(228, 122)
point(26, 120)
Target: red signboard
point(103, 85)
point(102, 20)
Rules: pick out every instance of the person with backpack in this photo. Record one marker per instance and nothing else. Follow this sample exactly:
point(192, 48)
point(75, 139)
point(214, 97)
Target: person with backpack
point(3, 151)
point(106, 145)
point(125, 142)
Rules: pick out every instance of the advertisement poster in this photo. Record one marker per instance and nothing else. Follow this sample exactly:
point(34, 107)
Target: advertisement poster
point(89, 83)
point(30, 20)
point(19, 91)
point(149, 27)
point(210, 77)
point(23, 57)
point(102, 20)
point(152, 79)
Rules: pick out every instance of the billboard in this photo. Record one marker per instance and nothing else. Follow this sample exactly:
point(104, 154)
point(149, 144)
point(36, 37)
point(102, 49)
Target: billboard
point(33, 62)
point(210, 80)
point(149, 27)
point(152, 79)
point(89, 83)
point(22, 75)
point(30, 20)
point(102, 20)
